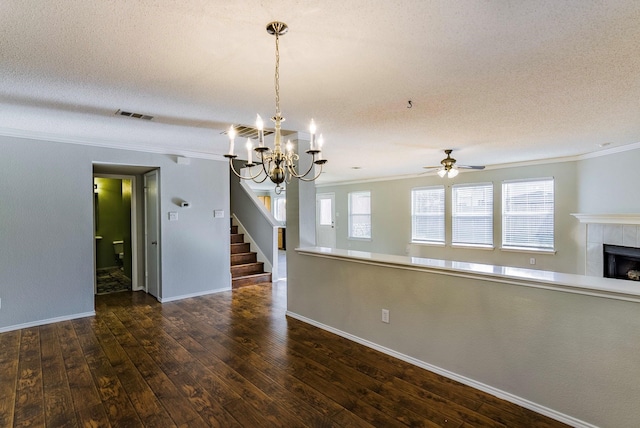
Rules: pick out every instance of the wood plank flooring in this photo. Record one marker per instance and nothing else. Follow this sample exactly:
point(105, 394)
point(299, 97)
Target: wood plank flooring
point(231, 359)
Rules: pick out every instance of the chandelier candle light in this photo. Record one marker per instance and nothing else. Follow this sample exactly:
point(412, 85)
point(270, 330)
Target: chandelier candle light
point(276, 164)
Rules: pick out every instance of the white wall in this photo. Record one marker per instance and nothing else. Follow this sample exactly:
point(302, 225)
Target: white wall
point(391, 218)
point(46, 227)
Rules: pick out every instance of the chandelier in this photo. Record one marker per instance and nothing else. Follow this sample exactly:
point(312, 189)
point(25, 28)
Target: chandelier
point(276, 164)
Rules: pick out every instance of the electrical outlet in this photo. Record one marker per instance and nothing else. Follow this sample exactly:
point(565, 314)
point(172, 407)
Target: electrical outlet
point(385, 316)
point(532, 261)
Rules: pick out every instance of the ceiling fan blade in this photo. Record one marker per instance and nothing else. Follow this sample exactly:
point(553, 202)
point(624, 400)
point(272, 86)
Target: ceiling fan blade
point(470, 166)
point(432, 167)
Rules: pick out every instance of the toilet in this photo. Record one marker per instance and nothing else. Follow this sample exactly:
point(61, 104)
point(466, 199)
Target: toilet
point(118, 250)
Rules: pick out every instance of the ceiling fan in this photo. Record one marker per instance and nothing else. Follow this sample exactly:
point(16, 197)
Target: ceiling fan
point(449, 167)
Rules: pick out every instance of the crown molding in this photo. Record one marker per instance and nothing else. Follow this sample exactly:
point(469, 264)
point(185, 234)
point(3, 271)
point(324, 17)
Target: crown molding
point(611, 151)
point(591, 155)
point(97, 142)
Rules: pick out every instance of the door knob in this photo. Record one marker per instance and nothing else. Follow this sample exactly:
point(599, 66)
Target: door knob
point(154, 242)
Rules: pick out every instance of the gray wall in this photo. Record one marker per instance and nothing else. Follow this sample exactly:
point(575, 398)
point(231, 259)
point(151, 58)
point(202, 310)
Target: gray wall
point(610, 184)
point(391, 218)
point(47, 235)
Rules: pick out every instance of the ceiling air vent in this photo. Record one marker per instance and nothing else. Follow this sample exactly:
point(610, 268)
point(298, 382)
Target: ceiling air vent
point(134, 115)
point(248, 132)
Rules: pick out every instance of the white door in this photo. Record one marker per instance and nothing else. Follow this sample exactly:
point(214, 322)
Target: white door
point(152, 234)
point(325, 220)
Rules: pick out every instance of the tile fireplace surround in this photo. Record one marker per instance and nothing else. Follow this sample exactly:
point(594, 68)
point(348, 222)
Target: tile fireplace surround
point(613, 229)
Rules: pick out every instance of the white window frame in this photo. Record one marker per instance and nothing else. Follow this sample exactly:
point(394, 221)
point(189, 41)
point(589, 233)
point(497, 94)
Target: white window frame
point(351, 197)
point(509, 213)
point(459, 226)
point(434, 216)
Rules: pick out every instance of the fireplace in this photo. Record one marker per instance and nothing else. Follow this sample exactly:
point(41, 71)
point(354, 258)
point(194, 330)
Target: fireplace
point(621, 262)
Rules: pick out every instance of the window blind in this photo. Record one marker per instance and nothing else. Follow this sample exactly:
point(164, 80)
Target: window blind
point(527, 214)
point(472, 214)
point(427, 214)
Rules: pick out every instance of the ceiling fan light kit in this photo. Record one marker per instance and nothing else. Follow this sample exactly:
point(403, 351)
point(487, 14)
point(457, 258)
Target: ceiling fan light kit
point(276, 164)
point(449, 167)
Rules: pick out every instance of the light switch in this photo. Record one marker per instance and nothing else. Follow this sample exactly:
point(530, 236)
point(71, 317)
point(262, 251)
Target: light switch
point(218, 213)
point(173, 216)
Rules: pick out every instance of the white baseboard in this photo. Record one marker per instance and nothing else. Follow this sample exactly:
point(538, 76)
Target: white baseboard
point(569, 420)
point(46, 321)
point(188, 296)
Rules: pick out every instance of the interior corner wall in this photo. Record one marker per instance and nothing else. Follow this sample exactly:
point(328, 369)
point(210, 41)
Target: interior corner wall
point(609, 184)
point(47, 231)
point(391, 218)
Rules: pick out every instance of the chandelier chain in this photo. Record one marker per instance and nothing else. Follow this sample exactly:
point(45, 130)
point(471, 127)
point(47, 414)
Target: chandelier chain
point(277, 77)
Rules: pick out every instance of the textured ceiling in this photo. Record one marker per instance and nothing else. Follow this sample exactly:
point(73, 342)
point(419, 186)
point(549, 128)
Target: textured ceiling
point(498, 81)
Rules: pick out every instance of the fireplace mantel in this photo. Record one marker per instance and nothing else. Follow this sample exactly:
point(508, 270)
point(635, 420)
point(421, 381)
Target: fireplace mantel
point(608, 218)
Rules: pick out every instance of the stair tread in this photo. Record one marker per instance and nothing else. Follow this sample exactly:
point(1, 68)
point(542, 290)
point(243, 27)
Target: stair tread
point(252, 275)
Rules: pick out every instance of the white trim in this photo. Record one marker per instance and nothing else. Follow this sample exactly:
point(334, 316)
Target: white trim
point(529, 250)
point(97, 142)
point(47, 321)
point(608, 218)
point(189, 296)
point(448, 374)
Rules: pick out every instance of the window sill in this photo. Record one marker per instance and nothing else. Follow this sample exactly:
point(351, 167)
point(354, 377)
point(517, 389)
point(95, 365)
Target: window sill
point(428, 243)
point(350, 238)
point(527, 250)
point(474, 247)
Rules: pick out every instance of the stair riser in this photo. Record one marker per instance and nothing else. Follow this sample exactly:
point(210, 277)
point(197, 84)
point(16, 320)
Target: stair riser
point(234, 229)
point(247, 269)
point(252, 280)
point(240, 248)
point(243, 258)
point(237, 238)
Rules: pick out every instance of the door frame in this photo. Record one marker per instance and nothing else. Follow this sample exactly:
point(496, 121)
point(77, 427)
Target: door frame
point(155, 172)
point(135, 286)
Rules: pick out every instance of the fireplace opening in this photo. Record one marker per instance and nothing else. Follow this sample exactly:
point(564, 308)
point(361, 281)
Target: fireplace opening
point(621, 262)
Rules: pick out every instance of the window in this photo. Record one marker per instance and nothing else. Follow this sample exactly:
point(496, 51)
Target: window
point(427, 214)
point(360, 215)
point(472, 214)
point(527, 214)
point(280, 209)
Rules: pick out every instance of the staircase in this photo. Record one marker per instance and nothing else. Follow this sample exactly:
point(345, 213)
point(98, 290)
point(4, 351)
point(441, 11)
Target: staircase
point(245, 267)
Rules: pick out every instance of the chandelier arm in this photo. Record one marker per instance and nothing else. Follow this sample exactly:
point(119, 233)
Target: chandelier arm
point(294, 173)
point(240, 175)
point(311, 179)
point(263, 180)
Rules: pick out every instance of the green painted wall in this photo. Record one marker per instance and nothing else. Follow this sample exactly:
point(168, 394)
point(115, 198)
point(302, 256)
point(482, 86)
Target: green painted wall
point(113, 221)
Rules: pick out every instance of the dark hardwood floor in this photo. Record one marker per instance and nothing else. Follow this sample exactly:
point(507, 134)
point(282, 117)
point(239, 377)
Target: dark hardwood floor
point(226, 360)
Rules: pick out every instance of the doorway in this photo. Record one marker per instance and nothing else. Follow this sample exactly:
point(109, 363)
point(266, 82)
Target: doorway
point(120, 219)
point(115, 233)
